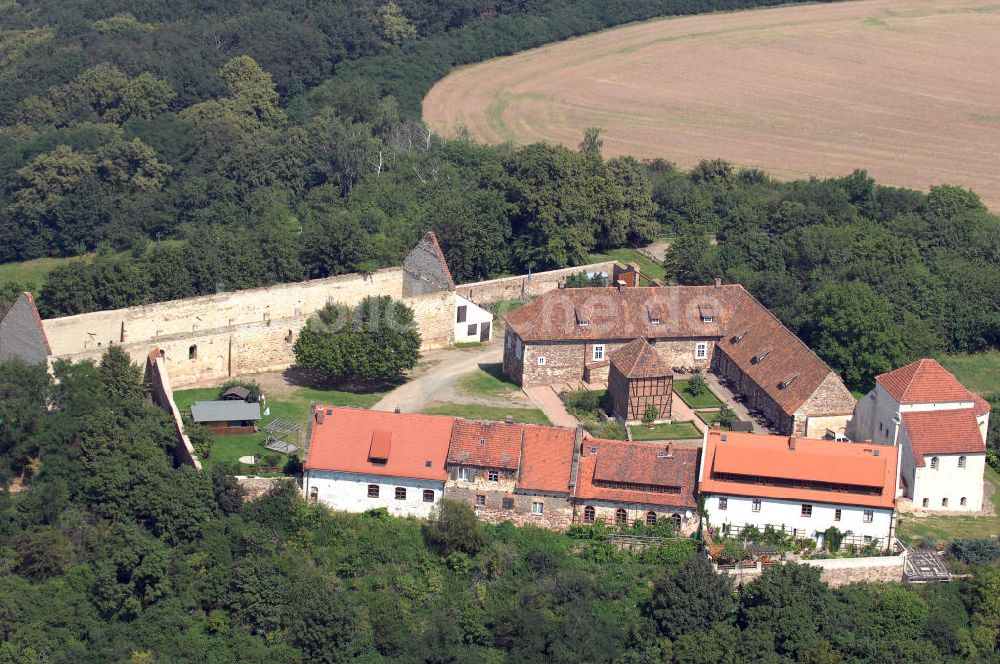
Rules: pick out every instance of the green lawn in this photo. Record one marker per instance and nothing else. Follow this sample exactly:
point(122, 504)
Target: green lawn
point(944, 528)
point(487, 381)
point(625, 255)
point(979, 372)
point(293, 407)
point(706, 399)
point(707, 416)
point(665, 431)
point(32, 273)
point(476, 412)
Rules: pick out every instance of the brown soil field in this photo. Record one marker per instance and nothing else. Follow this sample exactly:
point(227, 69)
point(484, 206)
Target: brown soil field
point(907, 89)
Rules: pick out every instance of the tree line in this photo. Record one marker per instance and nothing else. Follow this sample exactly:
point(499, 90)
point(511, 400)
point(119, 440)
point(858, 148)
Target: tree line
point(112, 552)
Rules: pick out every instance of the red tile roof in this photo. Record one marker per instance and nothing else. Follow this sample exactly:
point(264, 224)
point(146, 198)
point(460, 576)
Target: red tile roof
point(634, 464)
point(637, 359)
point(486, 444)
point(347, 436)
point(766, 456)
point(943, 432)
point(982, 406)
point(547, 459)
point(923, 381)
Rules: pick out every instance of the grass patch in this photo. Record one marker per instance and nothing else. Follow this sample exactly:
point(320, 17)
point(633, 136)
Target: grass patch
point(487, 381)
point(626, 255)
point(32, 273)
point(706, 399)
point(293, 407)
point(497, 413)
point(468, 344)
point(940, 528)
point(665, 431)
point(980, 372)
point(709, 417)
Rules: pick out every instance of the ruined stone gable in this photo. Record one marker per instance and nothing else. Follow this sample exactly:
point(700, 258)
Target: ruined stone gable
point(22, 336)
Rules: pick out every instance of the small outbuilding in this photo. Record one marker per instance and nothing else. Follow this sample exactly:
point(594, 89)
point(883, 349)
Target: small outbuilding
point(226, 417)
point(638, 379)
point(236, 393)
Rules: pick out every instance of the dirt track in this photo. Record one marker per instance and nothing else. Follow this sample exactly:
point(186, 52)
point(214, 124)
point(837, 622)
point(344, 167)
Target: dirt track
point(907, 89)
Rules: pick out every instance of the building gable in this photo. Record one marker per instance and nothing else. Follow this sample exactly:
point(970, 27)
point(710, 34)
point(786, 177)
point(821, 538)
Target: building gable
point(425, 268)
point(22, 336)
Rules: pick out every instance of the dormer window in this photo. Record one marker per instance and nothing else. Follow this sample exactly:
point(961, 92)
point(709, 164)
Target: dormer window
point(654, 321)
point(583, 322)
point(593, 450)
point(707, 312)
point(708, 319)
point(482, 441)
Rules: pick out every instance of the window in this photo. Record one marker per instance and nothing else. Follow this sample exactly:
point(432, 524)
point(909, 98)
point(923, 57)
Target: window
point(428, 496)
point(583, 322)
point(836, 515)
point(193, 353)
point(493, 476)
point(541, 360)
point(314, 494)
point(655, 321)
point(621, 517)
point(926, 502)
point(480, 500)
point(373, 490)
point(807, 510)
point(868, 539)
point(723, 503)
point(588, 514)
point(868, 516)
point(517, 348)
point(473, 330)
point(708, 319)
point(510, 341)
point(462, 312)
point(756, 505)
point(961, 462)
point(537, 508)
point(650, 518)
point(400, 493)
point(961, 501)
point(288, 337)
point(700, 350)
point(598, 352)
point(675, 521)
point(934, 462)
point(944, 502)
point(508, 503)
point(465, 474)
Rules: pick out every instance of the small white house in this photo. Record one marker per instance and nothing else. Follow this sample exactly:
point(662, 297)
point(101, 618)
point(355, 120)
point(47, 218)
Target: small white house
point(940, 428)
point(799, 485)
point(362, 459)
point(472, 322)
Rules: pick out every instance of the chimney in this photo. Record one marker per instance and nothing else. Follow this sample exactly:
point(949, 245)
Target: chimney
point(320, 415)
point(509, 419)
point(396, 410)
point(718, 282)
point(791, 443)
point(666, 450)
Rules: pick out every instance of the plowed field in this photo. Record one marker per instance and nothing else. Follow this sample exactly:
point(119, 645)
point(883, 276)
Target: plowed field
point(907, 89)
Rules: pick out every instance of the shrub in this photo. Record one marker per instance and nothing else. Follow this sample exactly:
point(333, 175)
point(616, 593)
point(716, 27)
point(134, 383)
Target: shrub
point(453, 527)
point(652, 412)
point(582, 400)
point(201, 438)
point(697, 386)
point(727, 417)
point(975, 551)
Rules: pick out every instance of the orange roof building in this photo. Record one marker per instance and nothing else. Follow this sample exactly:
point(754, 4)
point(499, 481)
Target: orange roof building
point(800, 485)
point(940, 428)
point(363, 459)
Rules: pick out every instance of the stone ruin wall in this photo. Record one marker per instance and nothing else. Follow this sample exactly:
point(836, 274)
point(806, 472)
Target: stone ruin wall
point(241, 332)
point(485, 293)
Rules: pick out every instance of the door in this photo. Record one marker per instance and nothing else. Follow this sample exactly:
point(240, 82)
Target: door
point(484, 331)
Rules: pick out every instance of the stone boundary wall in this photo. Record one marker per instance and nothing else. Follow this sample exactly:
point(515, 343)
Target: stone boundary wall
point(485, 293)
point(163, 396)
point(840, 571)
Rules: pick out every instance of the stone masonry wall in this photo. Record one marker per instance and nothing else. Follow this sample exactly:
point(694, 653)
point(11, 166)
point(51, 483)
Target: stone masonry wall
point(163, 395)
point(841, 571)
point(605, 511)
point(489, 292)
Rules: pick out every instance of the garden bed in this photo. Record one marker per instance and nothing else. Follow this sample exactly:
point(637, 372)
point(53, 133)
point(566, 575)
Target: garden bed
point(589, 406)
point(706, 399)
point(665, 431)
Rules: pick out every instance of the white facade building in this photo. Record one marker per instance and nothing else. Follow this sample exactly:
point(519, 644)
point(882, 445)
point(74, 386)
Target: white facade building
point(360, 460)
point(940, 428)
point(355, 492)
point(798, 485)
point(472, 322)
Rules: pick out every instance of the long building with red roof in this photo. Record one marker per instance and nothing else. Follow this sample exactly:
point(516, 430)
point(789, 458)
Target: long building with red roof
point(798, 485)
point(940, 428)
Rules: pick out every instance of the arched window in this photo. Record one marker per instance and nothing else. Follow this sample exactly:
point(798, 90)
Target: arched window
point(651, 518)
point(588, 514)
point(314, 494)
point(961, 462)
point(675, 521)
point(926, 502)
point(621, 517)
point(934, 462)
point(962, 501)
point(193, 352)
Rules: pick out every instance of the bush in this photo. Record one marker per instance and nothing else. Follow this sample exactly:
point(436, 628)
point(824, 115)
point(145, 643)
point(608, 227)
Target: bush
point(975, 551)
point(201, 438)
point(454, 527)
point(582, 400)
point(697, 386)
point(727, 417)
point(652, 412)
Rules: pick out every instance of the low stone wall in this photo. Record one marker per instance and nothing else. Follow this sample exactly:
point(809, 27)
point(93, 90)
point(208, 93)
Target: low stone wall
point(838, 571)
point(485, 293)
point(163, 395)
